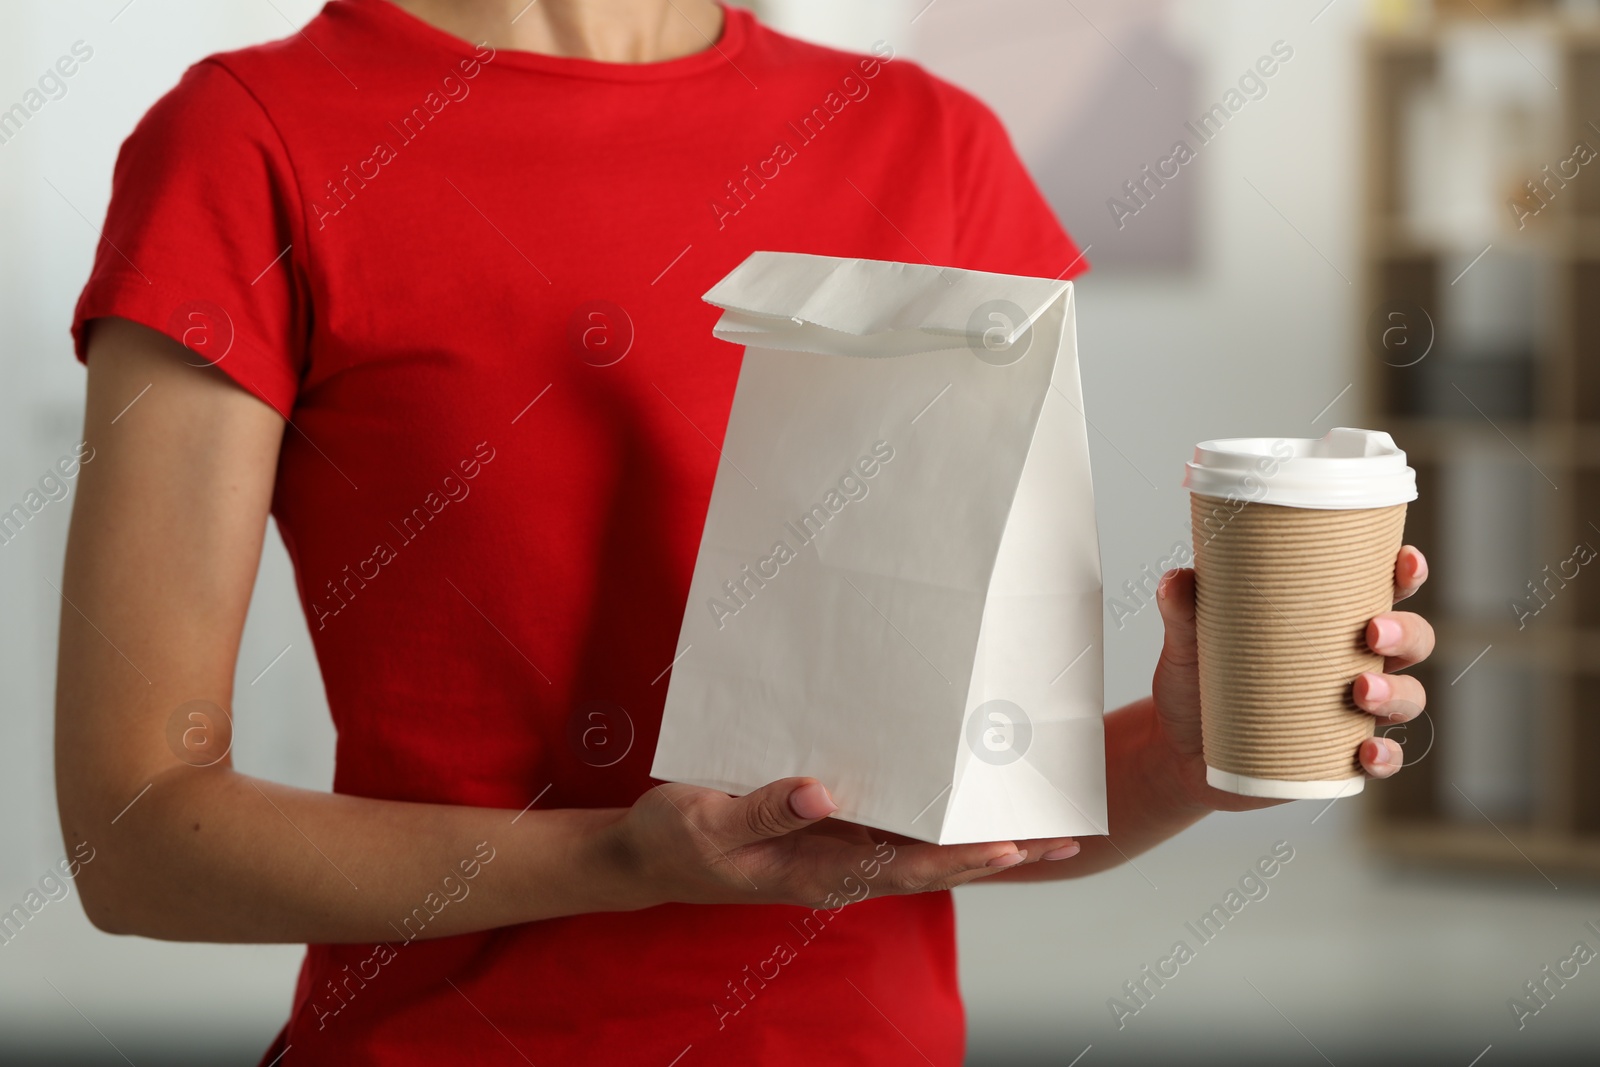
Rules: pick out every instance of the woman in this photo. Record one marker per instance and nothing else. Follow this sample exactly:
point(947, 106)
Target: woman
point(434, 306)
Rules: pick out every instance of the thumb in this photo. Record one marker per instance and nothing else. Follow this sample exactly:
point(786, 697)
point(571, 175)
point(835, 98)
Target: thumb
point(1176, 686)
point(776, 809)
point(1175, 600)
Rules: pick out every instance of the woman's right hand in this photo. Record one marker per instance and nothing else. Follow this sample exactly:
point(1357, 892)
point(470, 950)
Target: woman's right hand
point(776, 845)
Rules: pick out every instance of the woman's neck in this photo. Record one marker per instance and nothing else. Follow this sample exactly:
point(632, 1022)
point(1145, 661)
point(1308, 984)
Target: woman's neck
point(612, 31)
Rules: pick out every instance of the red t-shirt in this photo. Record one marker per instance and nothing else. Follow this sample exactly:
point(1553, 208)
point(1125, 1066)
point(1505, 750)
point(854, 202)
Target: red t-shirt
point(471, 281)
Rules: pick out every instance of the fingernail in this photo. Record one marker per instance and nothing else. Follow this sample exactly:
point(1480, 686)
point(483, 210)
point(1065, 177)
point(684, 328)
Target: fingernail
point(1389, 635)
point(1161, 591)
point(812, 801)
point(1380, 754)
point(1378, 688)
point(1063, 853)
point(1010, 859)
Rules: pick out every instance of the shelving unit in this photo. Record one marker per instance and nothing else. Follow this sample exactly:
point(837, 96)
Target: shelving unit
point(1543, 404)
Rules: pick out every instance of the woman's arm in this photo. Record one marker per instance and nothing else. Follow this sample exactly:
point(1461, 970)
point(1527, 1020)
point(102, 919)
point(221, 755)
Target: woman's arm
point(161, 559)
point(1155, 764)
point(165, 541)
point(1146, 801)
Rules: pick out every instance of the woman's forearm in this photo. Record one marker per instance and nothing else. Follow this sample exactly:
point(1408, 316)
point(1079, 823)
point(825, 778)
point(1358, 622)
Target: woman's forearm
point(167, 526)
point(214, 855)
point(1145, 798)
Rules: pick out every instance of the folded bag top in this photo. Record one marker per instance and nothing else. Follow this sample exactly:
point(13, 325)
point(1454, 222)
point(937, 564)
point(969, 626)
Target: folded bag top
point(863, 307)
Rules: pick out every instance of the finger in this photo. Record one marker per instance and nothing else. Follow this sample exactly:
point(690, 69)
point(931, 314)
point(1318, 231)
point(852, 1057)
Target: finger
point(1402, 637)
point(1392, 698)
point(1410, 571)
point(1177, 680)
point(775, 809)
point(1049, 848)
point(1380, 756)
point(923, 868)
point(1175, 602)
point(973, 876)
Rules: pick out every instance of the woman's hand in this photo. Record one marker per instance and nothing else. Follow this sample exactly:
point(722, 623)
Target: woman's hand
point(1402, 637)
point(776, 845)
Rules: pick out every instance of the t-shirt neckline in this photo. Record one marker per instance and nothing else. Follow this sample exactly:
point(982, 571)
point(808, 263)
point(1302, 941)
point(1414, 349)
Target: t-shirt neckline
point(716, 54)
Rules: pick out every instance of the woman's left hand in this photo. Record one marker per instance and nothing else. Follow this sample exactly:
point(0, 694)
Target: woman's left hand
point(1401, 637)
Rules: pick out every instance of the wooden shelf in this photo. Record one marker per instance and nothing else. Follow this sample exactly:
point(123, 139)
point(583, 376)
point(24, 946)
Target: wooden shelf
point(1586, 656)
point(1545, 645)
point(1480, 845)
point(1556, 233)
point(1412, 817)
point(1437, 441)
point(1403, 44)
point(1567, 446)
point(1392, 237)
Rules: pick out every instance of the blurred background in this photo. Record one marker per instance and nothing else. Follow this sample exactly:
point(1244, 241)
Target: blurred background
point(1398, 227)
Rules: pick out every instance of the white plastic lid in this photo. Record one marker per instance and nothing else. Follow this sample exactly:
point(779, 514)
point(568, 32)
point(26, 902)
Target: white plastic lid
point(1345, 469)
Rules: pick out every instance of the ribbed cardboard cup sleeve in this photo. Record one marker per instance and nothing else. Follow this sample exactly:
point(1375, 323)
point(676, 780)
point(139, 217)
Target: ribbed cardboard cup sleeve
point(1283, 598)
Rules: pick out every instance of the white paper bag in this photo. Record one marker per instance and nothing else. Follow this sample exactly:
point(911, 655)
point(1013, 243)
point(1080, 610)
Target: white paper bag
point(898, 587)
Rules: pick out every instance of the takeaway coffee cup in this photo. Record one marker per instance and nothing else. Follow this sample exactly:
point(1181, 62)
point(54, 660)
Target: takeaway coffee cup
point(1295, 544)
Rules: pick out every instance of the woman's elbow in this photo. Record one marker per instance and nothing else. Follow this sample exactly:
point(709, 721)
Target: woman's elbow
point(104, 894)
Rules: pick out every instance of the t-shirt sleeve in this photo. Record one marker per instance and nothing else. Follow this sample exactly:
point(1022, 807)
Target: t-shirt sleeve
point(204, 237)
point(1004, 223)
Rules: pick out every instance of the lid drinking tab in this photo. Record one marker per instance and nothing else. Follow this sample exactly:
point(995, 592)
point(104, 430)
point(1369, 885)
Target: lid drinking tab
point(1345, 469)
